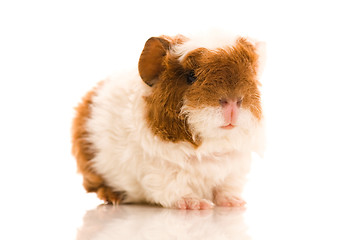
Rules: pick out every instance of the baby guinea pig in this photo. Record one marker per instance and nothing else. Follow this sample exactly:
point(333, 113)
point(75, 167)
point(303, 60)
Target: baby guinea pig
point(179, 132)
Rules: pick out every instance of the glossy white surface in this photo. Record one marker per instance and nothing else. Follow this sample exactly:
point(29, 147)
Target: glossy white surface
point(308, 185)
point(144, 222)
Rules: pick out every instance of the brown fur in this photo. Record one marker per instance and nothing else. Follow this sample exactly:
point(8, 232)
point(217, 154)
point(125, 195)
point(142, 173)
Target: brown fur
point(164, 104)
point(224, 74)
point(221, 74)
point(84, 152)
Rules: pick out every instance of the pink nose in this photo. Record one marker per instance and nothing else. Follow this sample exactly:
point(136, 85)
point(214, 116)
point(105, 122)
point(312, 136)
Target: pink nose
point(230, 110)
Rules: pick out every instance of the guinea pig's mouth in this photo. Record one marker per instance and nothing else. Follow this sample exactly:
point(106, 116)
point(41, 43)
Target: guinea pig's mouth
point(229, 126)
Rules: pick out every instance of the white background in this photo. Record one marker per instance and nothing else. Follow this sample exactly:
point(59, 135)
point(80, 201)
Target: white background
point(308, 185)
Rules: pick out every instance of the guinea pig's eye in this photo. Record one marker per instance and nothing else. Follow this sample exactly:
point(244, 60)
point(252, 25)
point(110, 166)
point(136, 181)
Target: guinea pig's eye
point(191, 78)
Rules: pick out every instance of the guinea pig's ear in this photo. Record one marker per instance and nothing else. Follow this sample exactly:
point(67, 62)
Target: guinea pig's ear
point(150, 61)
point(260, 49)
point(262, 56)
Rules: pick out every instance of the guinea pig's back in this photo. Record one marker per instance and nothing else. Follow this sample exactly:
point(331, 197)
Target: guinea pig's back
point(82, 148)
point(101, 133)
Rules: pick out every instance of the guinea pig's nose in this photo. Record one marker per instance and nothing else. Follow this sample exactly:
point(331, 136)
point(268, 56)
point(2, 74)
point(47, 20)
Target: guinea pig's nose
point(224, 102)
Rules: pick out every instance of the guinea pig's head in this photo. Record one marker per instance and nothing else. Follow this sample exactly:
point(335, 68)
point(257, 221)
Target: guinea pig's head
point(200, 92)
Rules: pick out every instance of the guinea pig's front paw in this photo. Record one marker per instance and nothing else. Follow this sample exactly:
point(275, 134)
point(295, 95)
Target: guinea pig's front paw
point(193, 204)
point(229, 201)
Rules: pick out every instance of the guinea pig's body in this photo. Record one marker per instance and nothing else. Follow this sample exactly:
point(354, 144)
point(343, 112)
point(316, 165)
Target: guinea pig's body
point(179, 133)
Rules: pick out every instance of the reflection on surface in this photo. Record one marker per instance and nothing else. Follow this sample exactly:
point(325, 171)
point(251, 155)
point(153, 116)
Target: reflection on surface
point(149, 222)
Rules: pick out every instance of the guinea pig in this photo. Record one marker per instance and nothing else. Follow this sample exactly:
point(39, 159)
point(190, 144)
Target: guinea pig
point(178, 131)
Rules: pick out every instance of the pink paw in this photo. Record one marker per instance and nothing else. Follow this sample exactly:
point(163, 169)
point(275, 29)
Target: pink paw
point(194, 204)
point(230, 201)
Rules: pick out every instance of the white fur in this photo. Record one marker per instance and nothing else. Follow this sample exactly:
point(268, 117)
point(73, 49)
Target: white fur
point(212, 40)
point(131, 158)
point(206, 123)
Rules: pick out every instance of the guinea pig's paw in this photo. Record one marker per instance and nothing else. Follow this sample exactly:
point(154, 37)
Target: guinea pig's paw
point(193, 204)
point(229, 201)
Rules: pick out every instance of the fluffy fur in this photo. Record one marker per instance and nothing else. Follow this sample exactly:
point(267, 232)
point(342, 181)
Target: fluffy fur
point(155, 137)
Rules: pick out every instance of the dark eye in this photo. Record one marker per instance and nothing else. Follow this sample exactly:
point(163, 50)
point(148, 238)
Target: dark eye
point(191, 78)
